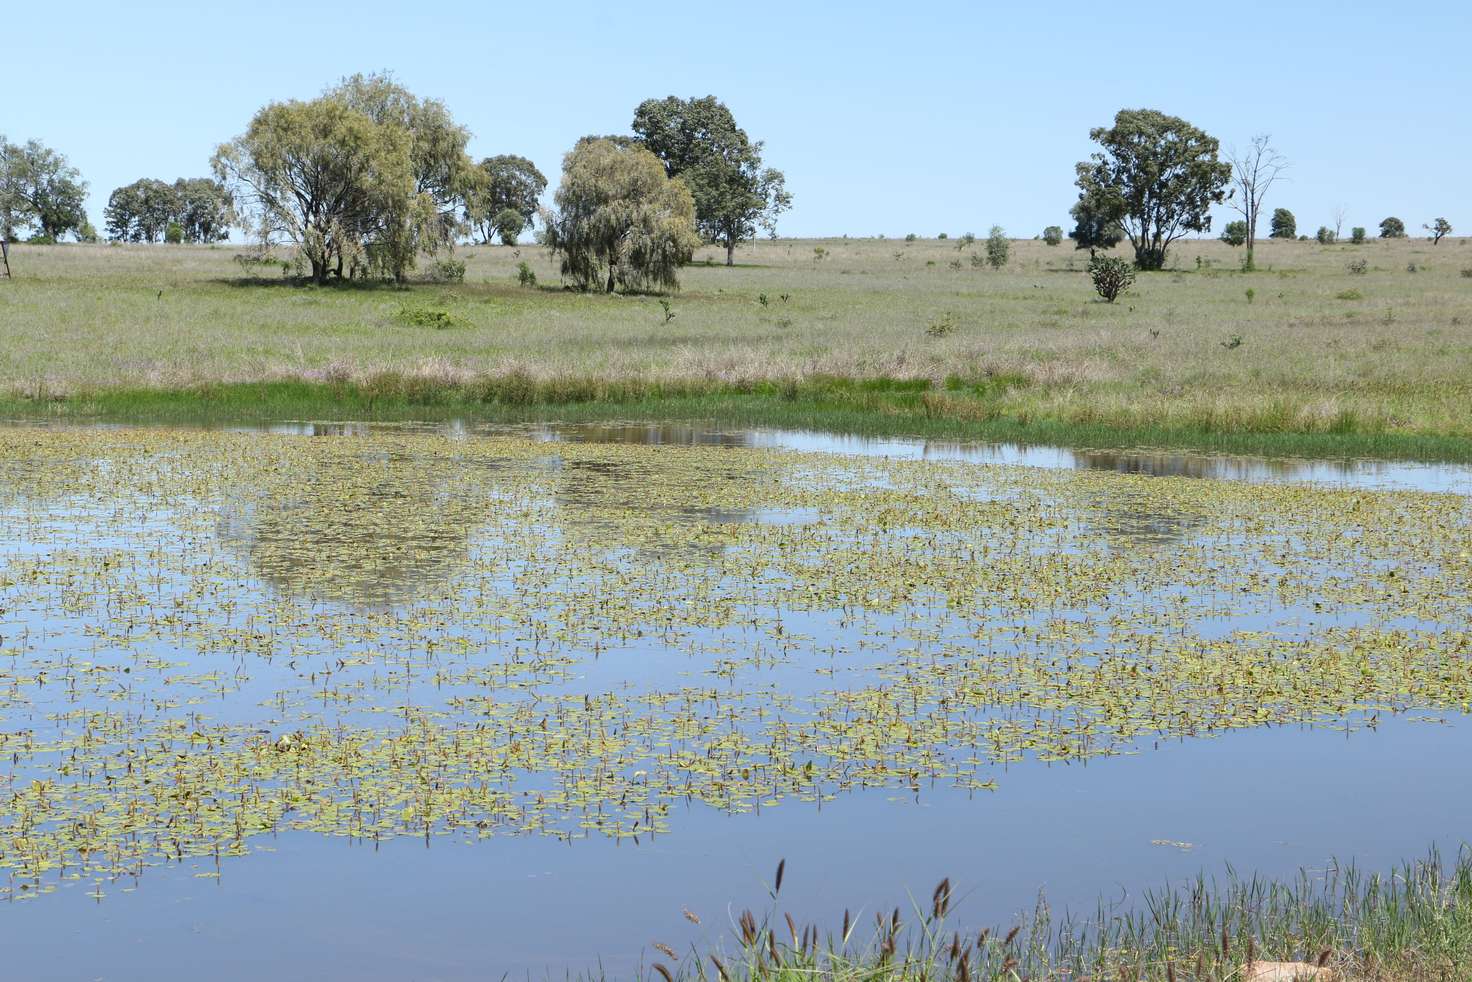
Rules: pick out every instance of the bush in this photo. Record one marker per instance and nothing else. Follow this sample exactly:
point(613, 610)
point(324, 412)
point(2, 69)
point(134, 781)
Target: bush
point(174, 234)
point(1357, 235)
point(1359, 267)
point(1325, 235)
point(1053, 235)
point(1392, 228)
point(1112, 276)
point(87, 233)
point(448, 271)
point(967, 240)
point(41, 238)
point(1235, 234)
point(943, 235)
point(1284, 225)
point(524, 275)
point(435, 317)
point(997, 247)
point(508, 224)
point(911, 237)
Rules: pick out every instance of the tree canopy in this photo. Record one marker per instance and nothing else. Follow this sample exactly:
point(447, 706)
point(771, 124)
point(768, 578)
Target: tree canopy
point(144, 210)
point(1283, 225)
point(507, 183)
point(621, 221)
point(1156, 178)
point(363, 178)
point(1392, 228)
point(698, 140)
point(39, 190)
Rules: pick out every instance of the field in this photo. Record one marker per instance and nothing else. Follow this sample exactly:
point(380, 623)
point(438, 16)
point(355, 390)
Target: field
point(1303, 355)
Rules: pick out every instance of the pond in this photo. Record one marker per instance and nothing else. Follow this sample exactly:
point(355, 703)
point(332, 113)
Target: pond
point(446, 703)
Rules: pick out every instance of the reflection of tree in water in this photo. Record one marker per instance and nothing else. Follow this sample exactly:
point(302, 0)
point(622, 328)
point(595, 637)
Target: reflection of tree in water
point(652, 509)
point(373, 529)
point(1129, 521)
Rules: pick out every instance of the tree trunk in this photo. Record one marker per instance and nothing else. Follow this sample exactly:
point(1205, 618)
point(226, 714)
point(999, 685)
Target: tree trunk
point(730, 252)
point(5, 254)
point(610, 278)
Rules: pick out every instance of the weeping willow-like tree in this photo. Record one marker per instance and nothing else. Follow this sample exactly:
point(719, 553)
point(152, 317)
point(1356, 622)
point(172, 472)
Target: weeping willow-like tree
point(620, 221)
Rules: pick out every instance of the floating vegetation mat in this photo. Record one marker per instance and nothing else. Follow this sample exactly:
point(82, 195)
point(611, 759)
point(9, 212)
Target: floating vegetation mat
point(209, 637)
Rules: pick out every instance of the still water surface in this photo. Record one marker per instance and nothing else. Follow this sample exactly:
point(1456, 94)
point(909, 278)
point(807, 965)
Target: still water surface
point(945, 631)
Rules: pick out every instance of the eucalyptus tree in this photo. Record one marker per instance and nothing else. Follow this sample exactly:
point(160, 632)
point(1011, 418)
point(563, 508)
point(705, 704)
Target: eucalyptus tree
point(698, 140)
point(507, 182)
point(620, 220)
point(39, 189)
point(1439, 230)
point(1156, 178)
point(141, 211)
point(1283, 225)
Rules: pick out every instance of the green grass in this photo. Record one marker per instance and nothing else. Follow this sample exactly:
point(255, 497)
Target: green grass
point(1413, 925)
point(1330, 362)
point(870, 408)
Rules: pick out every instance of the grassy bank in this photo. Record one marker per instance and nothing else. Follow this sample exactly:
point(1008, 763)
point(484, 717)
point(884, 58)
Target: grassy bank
point(875, 407)
point(1305, 355)
point(1414, 925)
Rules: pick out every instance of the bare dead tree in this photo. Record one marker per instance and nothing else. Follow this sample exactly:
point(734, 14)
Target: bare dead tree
point(1253, 173)
point(1339, 214)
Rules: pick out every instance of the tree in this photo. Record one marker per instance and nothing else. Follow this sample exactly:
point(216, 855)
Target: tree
point(1326, 235)
point(363, 178)
point(202, 209)
point(1157, 178)
point(1254, 172)
point(508, 224)
point(1438, 229)
point(1235, 234)
point(423, 216)
point(1093, 229)
point(1339, 213)
point(41, 190)
point(141, 211)
point(507, 182)
point(1053, 235)
point(319, 172)
point(1283, 225)
point(997, 247)
point(1357, 235)
point(698, 140)
point(1392, 228)
point(620, 219)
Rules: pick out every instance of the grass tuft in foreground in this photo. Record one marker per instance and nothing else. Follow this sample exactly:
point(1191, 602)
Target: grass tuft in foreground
point(1340, 924)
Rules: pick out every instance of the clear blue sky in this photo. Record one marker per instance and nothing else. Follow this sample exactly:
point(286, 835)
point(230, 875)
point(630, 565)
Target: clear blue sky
point(886, 117)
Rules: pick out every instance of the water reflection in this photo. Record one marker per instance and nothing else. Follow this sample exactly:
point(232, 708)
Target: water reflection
point(357, 530)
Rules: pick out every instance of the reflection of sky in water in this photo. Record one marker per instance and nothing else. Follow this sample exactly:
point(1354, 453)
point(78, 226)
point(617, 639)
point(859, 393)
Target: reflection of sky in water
point(455, 912)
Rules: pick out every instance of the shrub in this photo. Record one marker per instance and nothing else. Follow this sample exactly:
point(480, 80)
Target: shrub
point(1467, 273)
point(87, 233)
point(524, 275)
point(1392, 228)
point(448, 271)
point(911, 237)
point(174, 234)
point(1235, 234)
point(997, 247)
point(976, 261)
point(1112, 276)
point(1349, 295)
point(1284, 225)
point(1357, 235)
point(1359, 267)
point(435, 317)
point(943, 235)
point(508, 224)
point(967, 240)
point(1053, 235)
point(942, 325)
point(1325, 235)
